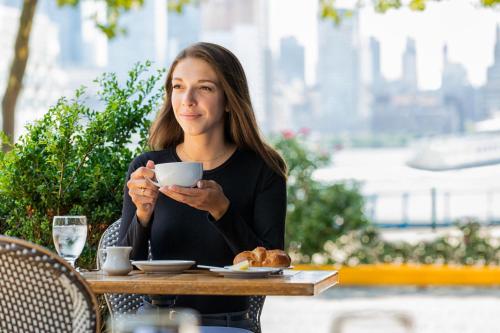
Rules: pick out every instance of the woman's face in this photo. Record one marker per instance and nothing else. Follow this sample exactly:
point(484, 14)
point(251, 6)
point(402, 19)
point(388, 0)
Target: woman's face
point(197, 98)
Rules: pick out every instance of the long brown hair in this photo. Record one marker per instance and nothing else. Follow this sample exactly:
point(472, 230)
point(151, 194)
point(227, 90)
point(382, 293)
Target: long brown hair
point(240, 126)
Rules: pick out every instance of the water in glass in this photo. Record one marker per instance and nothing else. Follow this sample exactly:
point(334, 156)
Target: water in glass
point(69, 234)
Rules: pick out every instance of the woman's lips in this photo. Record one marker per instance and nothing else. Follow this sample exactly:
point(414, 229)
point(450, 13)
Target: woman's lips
point(190, 116)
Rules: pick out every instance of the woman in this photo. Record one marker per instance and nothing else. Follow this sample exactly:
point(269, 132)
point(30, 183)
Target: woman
point(240, 203)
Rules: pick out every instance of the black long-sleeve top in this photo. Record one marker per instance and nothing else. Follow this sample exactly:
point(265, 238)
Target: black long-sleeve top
point(256, 217)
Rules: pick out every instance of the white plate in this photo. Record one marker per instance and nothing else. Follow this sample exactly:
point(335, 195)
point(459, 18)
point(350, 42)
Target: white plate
point(269, 268)
point(251, 273)
point(163, 266)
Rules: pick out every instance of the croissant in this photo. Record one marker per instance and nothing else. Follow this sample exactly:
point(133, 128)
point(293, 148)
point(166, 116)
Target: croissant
point(260, 257)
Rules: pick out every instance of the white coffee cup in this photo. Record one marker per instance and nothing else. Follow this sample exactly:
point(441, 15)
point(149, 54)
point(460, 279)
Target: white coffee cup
point(185, 174)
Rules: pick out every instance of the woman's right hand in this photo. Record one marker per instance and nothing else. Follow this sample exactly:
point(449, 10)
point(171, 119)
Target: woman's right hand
point(143, 192)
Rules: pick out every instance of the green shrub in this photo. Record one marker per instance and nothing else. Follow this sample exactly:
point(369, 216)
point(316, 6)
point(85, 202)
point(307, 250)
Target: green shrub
point(472, 245)
point(317, 212)
point(74, 160)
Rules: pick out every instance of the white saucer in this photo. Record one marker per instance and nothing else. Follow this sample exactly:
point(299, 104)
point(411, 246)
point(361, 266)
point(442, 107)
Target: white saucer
point(163, 266)
point(251, 273)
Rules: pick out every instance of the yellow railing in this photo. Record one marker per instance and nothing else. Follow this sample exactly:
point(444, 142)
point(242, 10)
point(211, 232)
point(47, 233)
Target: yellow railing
point(420, 275)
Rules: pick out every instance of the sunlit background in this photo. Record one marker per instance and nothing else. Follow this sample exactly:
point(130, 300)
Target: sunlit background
point(407, 103)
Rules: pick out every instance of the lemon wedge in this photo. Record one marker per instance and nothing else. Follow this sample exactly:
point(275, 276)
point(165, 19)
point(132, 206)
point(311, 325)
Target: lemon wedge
point(241, 266)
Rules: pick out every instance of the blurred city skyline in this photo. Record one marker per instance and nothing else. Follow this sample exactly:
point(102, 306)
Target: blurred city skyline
point(302, 71)
point(457, 23)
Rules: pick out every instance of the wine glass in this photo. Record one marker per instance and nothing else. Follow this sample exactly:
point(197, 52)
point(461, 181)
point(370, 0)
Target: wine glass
point(69, 234)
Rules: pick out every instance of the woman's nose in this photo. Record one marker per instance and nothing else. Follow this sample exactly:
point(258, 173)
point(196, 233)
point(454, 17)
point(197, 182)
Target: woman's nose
point(188, 98)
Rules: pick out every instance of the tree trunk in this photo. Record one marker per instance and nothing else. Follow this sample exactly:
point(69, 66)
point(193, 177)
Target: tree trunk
point(17, 68)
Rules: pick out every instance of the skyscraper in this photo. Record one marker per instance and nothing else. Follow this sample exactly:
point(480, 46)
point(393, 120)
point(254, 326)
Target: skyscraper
point(376, 74)
point(338, 74)
point(183, 29)
point(457, 92)
point(241, 26)
point(292, 59)
point(68, 20)
point(146, 38)
point(492, 87)
point(454, 75)
point(409, 79)
point(81, 43)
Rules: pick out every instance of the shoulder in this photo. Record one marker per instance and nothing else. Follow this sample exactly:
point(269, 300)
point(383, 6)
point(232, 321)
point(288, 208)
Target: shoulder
point(249, 156)
point(252, 160)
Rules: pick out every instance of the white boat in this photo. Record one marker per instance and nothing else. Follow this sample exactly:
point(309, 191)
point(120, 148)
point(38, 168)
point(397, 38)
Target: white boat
point(457, 152)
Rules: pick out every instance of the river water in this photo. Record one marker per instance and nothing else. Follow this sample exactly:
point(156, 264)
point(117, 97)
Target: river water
point(396, 193)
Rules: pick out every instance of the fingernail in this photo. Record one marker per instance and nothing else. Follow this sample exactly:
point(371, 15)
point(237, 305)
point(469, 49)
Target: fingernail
point(199, 184)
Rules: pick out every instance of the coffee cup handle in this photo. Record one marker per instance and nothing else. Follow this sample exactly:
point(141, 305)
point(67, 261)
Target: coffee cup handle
point(154, 183)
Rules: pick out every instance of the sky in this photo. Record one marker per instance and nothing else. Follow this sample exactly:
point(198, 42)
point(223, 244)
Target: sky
point(468, 30)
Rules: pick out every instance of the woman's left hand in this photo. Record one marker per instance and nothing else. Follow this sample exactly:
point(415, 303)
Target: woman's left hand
point(207, 196)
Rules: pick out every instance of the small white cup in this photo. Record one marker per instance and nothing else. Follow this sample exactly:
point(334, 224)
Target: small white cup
point(185, 174)
point(117, 260)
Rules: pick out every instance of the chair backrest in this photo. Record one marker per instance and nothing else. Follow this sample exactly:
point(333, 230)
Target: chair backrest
point(256, 305)
point(118, 304)
point(41, 292)
point(121, 304)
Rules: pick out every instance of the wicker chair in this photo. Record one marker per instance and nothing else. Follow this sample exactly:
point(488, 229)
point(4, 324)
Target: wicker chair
point(122, 304)
point(41, 292)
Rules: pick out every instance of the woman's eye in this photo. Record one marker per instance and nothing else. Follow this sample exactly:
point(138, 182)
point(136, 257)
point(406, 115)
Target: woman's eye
point(176, 86)
point(206, 88)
